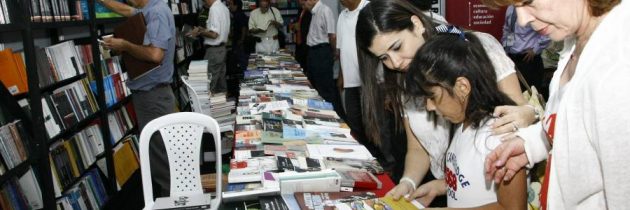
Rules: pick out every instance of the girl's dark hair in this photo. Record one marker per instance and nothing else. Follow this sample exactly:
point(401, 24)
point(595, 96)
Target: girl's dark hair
point(383, 16)
point(444, 58)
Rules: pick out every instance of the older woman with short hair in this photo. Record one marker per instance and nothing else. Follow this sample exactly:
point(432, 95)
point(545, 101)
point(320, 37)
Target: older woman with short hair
point(587, 117)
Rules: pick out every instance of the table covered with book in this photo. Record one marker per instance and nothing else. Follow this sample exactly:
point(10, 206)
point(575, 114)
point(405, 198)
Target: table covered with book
point(292, 151)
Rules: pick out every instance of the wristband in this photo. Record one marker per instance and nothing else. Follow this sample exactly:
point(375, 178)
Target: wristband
point(409, 181)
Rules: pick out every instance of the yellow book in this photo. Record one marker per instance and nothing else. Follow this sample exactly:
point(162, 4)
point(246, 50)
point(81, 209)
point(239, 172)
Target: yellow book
point(384, 203)
point(73, 161)
point(125, 162)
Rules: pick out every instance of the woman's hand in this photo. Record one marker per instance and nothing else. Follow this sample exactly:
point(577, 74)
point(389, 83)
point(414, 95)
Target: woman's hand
point(400, 190)
point(428, 191)
point(510, 118)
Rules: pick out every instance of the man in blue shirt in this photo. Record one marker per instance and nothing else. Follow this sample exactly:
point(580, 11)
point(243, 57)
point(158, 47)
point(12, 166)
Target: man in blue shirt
point(151, 94)
point(524, 45)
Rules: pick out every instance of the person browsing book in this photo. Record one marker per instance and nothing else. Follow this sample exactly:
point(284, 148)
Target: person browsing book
point(349, 77)
point(455, 78)
point(152, 95)
point(215, 36)
point(264, 23)
point(389, 33)
point(321, 41)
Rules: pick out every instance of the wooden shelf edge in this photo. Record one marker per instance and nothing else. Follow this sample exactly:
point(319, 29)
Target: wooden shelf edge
point(16, 171)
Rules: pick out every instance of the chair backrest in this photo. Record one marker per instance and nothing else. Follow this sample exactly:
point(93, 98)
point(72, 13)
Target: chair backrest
point(195, 105)
point(181, 133)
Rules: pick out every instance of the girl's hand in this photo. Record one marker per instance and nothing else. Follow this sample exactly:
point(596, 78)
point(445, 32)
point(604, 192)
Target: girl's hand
point(400, 190)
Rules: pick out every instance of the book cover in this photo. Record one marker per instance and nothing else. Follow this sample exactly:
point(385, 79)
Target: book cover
point(379, 203)
point(370, 165)
point(274, 202)
point(359, 179)
point(133, 30)
point(338, 151)
point(14, 73)
point(312, 181)
point(328, 200)
point(125, 163)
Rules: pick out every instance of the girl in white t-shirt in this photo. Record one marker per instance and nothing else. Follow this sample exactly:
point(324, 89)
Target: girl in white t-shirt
point(454, 75)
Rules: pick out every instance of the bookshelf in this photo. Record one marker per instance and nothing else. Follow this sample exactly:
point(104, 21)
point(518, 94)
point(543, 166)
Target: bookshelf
point(90, 176)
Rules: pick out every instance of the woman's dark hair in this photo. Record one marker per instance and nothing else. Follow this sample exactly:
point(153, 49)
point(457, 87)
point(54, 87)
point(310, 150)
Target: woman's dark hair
point(383, 16)
point(446, 57)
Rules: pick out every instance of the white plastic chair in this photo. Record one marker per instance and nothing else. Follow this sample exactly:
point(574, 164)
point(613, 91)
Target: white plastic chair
point(181, 133)
point(195, 105)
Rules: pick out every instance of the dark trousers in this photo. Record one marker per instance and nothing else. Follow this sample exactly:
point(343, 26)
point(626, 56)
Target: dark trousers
point(320, 67)
point(301, 53)
point(533, 71)
point(354, 118)
point(150, 105)
point(238, 58)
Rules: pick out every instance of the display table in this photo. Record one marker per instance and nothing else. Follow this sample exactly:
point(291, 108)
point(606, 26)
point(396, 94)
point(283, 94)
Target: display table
point(288, 140)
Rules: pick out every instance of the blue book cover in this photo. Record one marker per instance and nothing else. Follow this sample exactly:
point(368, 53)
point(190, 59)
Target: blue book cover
point(109, 99)
point(96, 187)
point(289, 132)
point(253, 74)
point(319, 104)
point(73, 199)
point(85, 10)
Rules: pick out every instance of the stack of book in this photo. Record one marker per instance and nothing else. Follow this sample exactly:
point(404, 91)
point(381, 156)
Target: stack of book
point(215, 105)
point(67, 106)
point(87, 193)
point(21, 193)
point(114, 80)
point(120, 122)
point(198, 81)
point(61, 61)
point(14, 145)
point(72, 157)
point(289, 140)
point(221, 110)
point(63, 10)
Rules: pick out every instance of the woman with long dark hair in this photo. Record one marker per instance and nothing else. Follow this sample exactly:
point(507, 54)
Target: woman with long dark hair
point(388, 33)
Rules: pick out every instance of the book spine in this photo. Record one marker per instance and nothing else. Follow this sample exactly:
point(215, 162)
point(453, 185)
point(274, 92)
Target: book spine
point(17, 138)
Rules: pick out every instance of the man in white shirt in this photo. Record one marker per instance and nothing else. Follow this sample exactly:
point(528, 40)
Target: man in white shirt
point(321, 40)
point(349, 78)
point(264, 23)
point(215, 36)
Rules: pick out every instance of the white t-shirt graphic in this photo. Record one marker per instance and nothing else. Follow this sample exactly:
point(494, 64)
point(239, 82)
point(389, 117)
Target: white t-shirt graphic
point(464, 169)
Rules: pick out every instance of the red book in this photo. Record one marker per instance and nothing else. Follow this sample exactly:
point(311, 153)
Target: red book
point(359, 179)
